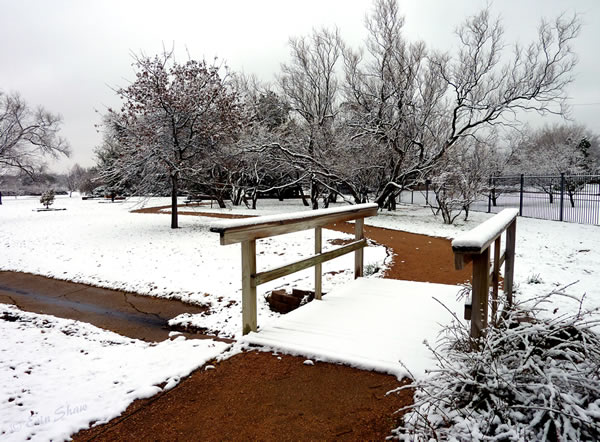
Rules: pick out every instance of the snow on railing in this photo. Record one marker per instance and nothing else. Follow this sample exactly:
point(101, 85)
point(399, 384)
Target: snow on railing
point(475, 246)
point(247, 231)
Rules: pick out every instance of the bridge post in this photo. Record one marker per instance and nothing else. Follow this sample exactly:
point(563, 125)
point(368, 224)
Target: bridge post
point(358, 254)
point(509, 264)
point(248, 286)
point(481, 287)
point(318, 269)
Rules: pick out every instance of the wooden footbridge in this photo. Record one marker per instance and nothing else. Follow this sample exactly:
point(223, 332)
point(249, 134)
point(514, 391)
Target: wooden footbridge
point(370, 323)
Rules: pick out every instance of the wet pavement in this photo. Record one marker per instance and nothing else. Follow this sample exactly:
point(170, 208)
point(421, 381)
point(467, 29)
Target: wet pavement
point(135, 316)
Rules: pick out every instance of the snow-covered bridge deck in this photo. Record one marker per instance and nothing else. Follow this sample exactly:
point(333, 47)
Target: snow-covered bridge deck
point(368, 323)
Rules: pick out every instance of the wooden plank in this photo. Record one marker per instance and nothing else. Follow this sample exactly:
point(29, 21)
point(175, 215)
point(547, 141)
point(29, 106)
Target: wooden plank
point(318, 267)
point(258, 229)
point(479, 313)
point(502, 258)
point(509, 264)
point(461, 260)
point(358, 254)
point(501, 261)
point(468, 242)
point(288, 269)
point(468, 312)
point(248, 288)
point(495, 279)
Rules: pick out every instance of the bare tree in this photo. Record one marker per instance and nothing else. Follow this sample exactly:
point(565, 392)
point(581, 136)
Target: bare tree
point(419, 104)
point(27, 135)
point(310, 86)
point(460, 179)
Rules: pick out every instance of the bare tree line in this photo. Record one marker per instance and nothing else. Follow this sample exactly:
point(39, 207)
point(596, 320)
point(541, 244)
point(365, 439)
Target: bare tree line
point(339, 123)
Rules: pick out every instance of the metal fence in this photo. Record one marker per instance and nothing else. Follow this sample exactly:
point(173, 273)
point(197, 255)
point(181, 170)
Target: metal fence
point(572, 198)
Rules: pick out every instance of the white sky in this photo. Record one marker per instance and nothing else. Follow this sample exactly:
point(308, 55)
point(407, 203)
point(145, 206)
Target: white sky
point(67, 54)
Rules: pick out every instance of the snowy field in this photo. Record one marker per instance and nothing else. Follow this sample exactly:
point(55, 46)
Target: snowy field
point(103, 244)
point(58, 375)
point(549, 254)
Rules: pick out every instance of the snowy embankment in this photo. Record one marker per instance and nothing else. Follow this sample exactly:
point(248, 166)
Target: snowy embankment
point(57, 375)
point(103, 244)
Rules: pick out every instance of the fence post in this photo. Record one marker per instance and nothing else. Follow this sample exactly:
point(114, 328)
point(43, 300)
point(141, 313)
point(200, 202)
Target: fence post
point(521, 196)
point(490, 196)
point(562, 194)
point(427, 192)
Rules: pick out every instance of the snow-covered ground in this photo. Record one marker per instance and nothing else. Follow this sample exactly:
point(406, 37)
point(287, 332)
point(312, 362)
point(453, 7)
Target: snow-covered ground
point(63, 374)
point(58, 375)
point(549, 254)
point(103, 244)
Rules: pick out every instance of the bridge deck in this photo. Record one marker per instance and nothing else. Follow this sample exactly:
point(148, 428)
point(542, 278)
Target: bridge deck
point(369, 323)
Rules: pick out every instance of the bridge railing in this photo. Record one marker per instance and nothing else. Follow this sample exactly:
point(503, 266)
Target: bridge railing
point(248, 231)
point(474, 246)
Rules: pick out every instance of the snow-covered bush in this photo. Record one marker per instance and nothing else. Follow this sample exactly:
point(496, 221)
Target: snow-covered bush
point(47, 198)
point(534, 379)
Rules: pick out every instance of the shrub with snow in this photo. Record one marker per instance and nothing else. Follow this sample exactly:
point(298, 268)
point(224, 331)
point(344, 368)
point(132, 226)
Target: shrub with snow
point(47, 198)
point(534, 379)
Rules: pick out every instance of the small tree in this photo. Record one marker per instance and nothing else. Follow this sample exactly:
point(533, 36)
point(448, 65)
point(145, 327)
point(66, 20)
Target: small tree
point(47, 198)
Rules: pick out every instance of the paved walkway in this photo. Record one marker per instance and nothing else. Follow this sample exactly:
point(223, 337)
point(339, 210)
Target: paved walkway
point(135, 316)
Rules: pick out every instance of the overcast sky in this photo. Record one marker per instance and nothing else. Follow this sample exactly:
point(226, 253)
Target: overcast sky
point(67, 54)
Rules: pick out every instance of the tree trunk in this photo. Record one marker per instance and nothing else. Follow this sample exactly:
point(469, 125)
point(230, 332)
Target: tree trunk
point(304, 201)
point(326, 201)
point(237, 196)
point(382, 199)
point(391, 202)
point(254, 199)
point(314, 195)
point(220, 201)
point(174, 220)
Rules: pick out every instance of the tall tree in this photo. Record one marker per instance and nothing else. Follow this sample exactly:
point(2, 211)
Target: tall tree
point(310, 85)
point(418, 104)
point(27, 135)
point(173, 118)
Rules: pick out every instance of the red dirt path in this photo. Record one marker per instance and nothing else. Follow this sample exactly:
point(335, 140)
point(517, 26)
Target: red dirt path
point(259, 396)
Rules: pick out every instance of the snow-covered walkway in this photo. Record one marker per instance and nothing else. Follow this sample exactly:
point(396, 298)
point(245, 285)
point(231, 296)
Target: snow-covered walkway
point(368, 323)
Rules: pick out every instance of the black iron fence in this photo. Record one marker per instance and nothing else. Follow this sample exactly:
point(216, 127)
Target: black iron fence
point(572, 198)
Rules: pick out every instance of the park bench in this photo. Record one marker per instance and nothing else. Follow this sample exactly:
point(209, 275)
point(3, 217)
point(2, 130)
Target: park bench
point(197, 199)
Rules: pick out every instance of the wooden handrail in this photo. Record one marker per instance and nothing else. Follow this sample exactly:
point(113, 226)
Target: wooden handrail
point(247, 231)
point(234, 231)
point(474, 246)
